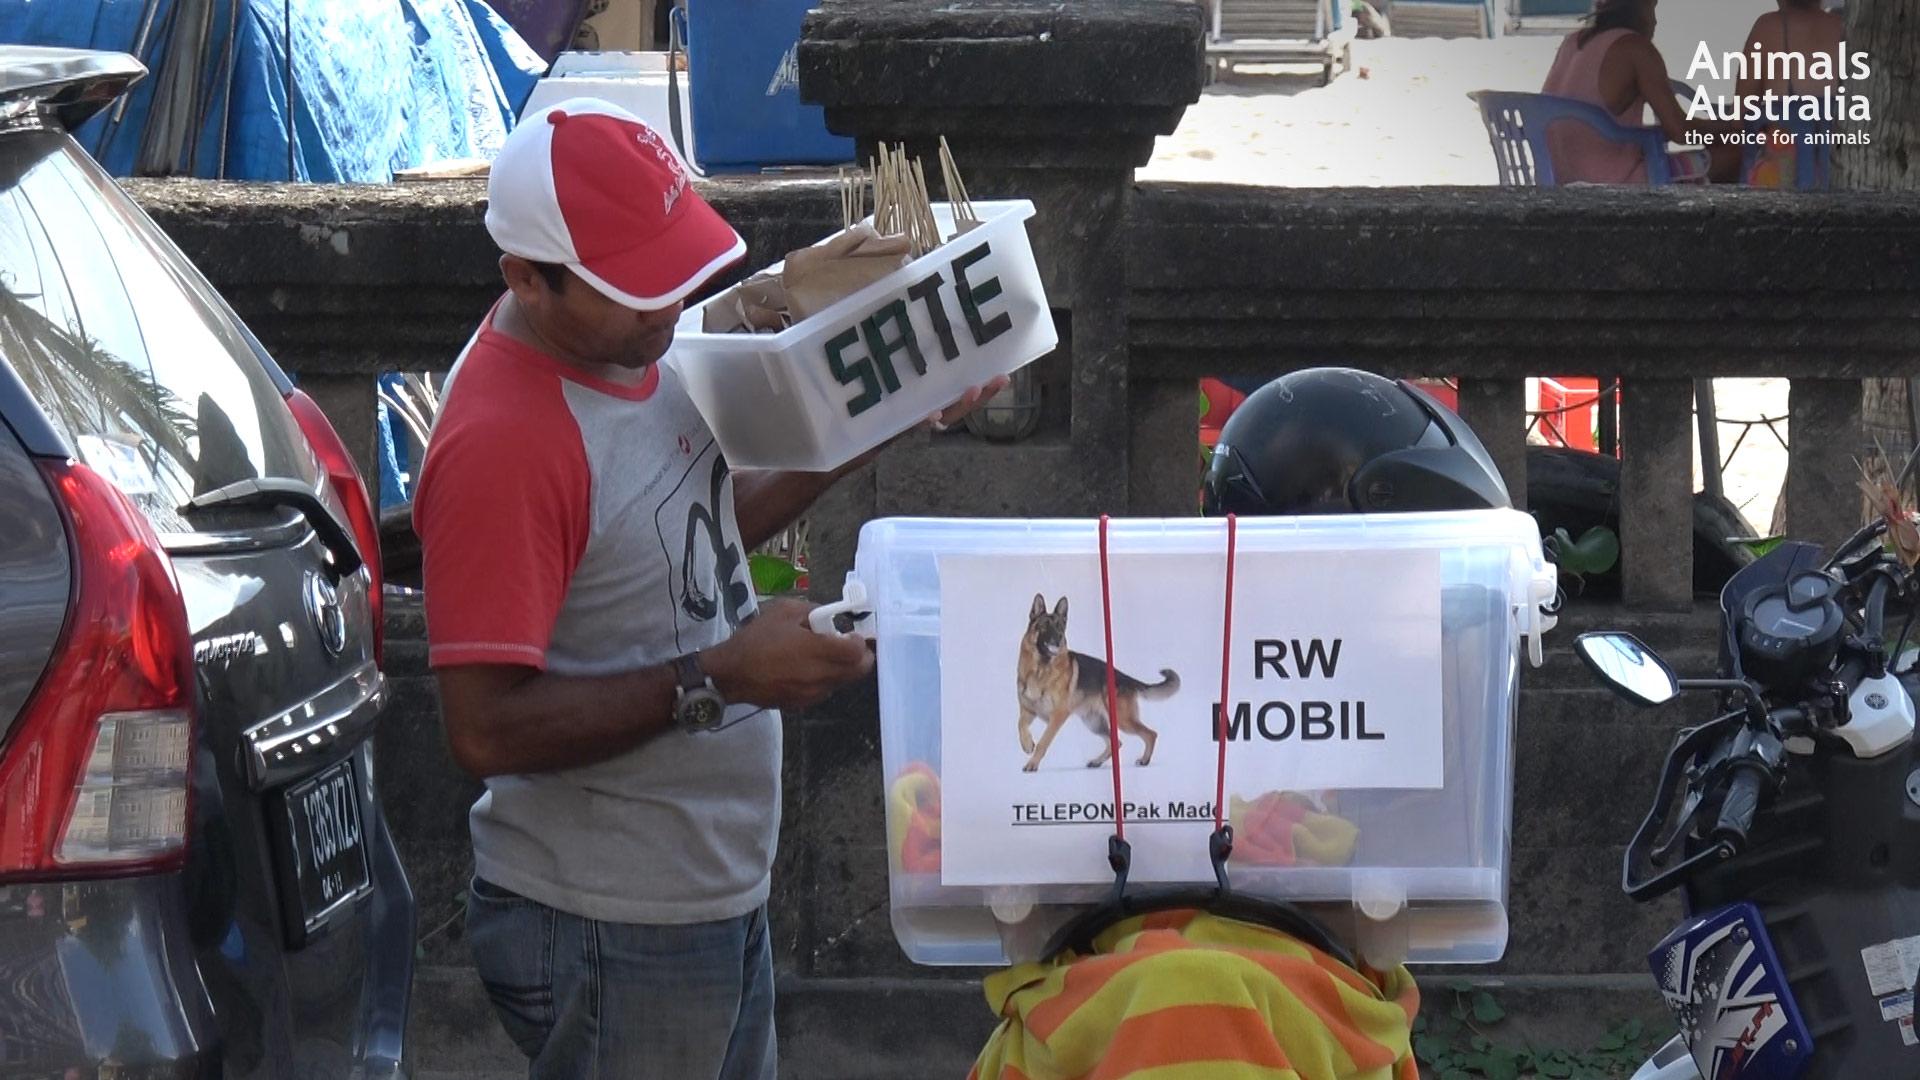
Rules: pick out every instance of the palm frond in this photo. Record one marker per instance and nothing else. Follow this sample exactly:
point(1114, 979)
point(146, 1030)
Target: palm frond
point(75, 376)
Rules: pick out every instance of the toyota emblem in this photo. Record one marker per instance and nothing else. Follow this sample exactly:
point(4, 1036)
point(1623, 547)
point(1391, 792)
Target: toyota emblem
point(323, 603)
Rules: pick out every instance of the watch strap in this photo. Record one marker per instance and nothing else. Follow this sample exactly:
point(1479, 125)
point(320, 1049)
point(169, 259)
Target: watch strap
point(688, 673)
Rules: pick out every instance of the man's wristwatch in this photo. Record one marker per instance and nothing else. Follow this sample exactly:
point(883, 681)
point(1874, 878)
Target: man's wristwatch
point(697, 705)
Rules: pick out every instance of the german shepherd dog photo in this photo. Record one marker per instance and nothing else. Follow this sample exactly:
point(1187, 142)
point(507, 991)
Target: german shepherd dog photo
point(1056, 684)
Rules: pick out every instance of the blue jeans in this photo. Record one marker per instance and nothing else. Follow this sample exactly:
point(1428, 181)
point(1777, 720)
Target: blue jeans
point(618, 1001)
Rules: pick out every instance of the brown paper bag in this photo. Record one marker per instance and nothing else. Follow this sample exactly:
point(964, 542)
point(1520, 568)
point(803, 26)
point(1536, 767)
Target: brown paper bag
point(816, 277)
point(757, 305)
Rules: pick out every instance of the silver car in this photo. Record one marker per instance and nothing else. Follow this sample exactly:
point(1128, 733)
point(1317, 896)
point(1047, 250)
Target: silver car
point(196, 878)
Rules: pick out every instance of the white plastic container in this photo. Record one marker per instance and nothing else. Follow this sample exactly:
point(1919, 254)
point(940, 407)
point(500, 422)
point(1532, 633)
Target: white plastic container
point(816, 395)
point(1430, 608)
point(635, 81)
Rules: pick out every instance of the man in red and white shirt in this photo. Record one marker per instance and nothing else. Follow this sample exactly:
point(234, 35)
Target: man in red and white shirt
point(593, 625)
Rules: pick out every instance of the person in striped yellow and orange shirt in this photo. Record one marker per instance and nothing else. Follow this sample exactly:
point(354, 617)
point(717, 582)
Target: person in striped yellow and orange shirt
point(1187, 995)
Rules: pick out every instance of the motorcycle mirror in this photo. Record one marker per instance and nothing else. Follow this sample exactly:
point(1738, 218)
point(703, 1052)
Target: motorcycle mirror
point(1634, 671)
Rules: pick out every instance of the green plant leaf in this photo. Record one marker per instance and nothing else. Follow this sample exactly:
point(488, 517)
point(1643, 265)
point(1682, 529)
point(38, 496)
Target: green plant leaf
point(1429, 1048)
point(1558, 1070)
point(1486, 1010)
point(1480, 1043)
point(773, 575)
point(1611, 1042)
point(1632, 1030)
point(1760, 546)
point(1456, 1074)
point(1203, 403)
point(1503, 1065)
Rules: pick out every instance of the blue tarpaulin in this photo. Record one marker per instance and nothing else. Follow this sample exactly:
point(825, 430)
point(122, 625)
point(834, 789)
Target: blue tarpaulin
point(378, 85)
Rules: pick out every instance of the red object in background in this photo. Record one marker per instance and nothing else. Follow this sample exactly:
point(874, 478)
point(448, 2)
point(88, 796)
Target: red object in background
point(1443, 391)
point(1221, 401)
point(1567, 408)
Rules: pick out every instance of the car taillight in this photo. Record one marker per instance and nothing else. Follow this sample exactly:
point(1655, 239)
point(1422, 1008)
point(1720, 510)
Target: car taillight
point(352, 491)
point(95, 774)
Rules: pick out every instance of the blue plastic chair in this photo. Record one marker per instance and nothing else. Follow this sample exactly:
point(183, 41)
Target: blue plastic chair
point(1517, 125)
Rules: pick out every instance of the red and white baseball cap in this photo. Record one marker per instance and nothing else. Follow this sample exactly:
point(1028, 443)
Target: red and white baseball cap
point(586, 184)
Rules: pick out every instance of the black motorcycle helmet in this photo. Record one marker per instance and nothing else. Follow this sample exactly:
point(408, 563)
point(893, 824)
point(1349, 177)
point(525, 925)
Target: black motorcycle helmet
point(1340, 441)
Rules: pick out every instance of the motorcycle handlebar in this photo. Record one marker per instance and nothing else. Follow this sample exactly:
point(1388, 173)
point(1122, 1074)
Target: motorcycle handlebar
point(1739, 805)
point(1783, 715)
point(1871, 531)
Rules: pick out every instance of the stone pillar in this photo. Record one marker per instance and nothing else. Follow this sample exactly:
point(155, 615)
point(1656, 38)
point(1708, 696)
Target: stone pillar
point(1656, 493)
point(1496, 409)
point(1163, 448)
point(1053, 103)
point(1825, 437)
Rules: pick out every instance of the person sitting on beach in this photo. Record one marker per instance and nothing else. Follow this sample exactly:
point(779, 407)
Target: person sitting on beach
point(1614, 64)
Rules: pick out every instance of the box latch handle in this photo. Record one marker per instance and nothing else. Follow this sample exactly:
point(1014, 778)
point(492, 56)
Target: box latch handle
point(1539, 608)
point(851, 614)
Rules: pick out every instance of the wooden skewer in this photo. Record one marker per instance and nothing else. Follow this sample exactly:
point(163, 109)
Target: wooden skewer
point(892, 173)
point(956, 184)
point(923, 207)
point(930, 225)
point(947, 176)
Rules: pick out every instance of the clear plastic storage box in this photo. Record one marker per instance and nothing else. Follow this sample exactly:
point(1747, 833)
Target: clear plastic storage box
point(1369, 746)
point(865, 369)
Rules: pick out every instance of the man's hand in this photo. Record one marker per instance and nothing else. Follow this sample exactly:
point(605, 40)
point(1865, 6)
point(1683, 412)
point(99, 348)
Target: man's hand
point(777, 661)
point(969, 401)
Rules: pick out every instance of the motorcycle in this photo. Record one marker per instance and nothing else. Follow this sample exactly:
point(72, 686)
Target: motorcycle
point(1790, 824)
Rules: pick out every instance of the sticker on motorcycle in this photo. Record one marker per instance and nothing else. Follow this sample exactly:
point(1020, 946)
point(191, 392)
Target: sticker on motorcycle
point(1724, 984)
point(1892, 966)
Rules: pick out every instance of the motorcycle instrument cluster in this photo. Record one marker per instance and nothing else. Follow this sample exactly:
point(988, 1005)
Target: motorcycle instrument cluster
point(1791, 631)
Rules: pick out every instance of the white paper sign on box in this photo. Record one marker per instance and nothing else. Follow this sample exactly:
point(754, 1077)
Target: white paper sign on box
point(869, 367)
point(1335, 684)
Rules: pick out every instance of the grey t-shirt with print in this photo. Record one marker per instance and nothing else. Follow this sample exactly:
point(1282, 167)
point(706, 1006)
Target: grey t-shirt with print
point(588, 528)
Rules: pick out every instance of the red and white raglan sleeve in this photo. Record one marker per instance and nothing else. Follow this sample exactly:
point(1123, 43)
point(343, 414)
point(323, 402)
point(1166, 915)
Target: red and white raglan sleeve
point(503, 510)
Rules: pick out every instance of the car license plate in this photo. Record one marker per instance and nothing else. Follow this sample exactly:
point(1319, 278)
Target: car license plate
point(328, 845)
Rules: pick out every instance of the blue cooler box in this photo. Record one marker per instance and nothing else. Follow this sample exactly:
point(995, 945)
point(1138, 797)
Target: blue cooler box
point(745, 83)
